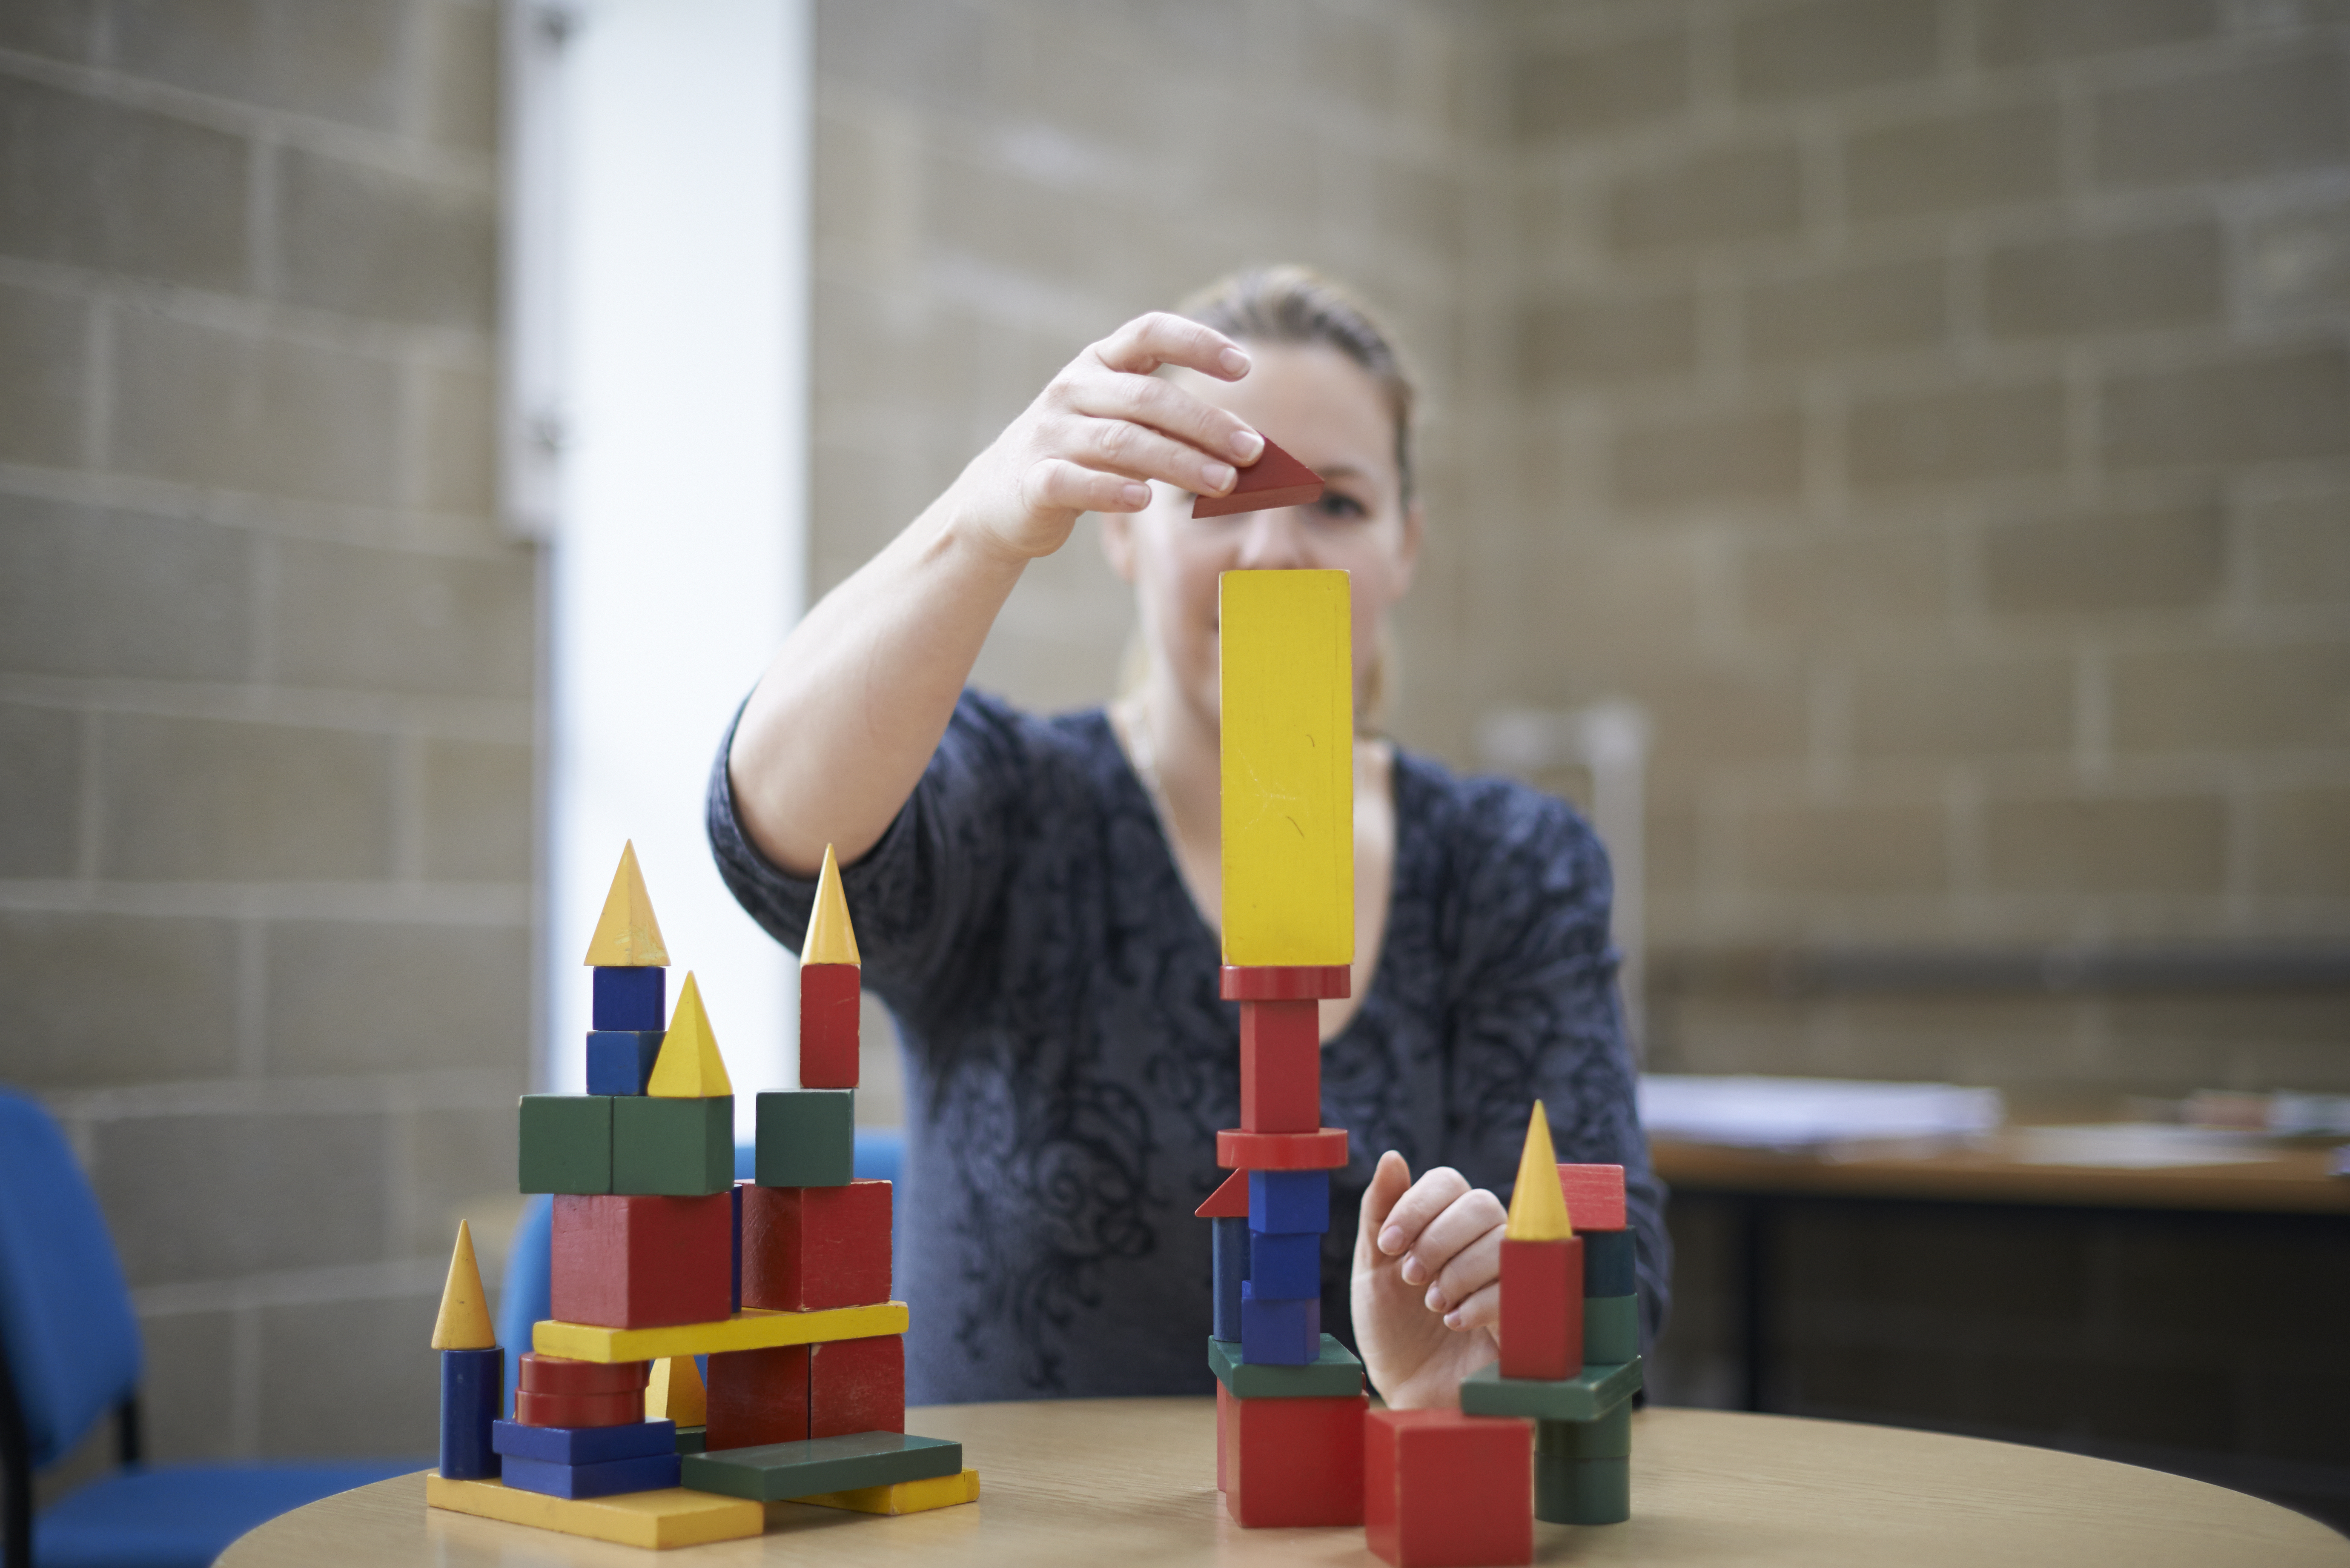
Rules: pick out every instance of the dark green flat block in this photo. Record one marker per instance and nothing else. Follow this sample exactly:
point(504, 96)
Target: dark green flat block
point(1611, 1329)
point(1334, 1375)
point(672, 1148)
point(567, 1143)
point(1582, 1491)
point(691, 1439)
point(774, 1471)
point(1485, 1392)
point(1607, 1436)
point(807, 1138)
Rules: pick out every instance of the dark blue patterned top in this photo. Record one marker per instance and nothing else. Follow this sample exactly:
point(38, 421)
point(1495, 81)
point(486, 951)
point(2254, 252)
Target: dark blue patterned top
point(1068, 1061)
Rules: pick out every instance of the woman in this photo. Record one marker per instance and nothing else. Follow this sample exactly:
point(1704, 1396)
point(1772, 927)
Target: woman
point(1036, 899)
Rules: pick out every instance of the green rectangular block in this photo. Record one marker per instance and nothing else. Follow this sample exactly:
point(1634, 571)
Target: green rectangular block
point(1569, 1491)
point(1607, 1436)
point(1611, 1329)
point(692, 1439)
point(774, 1471)
point(1334, 1375)
point(1485, 1392)
point(807, 1138)
point(567, 1143)
point(672, 1147)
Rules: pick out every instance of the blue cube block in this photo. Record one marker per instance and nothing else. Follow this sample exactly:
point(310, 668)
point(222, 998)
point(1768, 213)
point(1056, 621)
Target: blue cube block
point(1289, 1202)
point(473, 1387)
point(629, 999)
point(584, 1445)
point(1283, 1266)
point(1278, 1332)
point(1607, 1262)
point(652, 1472)
point(1232, 1243)
point(621, 1060)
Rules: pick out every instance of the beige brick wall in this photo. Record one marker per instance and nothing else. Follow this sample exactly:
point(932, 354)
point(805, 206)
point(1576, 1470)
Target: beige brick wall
point(265, 682)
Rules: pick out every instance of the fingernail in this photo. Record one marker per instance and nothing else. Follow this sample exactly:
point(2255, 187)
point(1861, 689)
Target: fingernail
point(1234, 362)
point(1435, 1299)
point(1220, 476)
point(1246, 445)
point(1413, 1275)
point(1453, 1319)
point(1136, 496)
point(1391, 1238)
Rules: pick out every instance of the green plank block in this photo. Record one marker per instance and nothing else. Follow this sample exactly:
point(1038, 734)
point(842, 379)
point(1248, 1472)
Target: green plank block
point(1582, 1491)
point(567, 1143)
point(1485, 1392)
point(807, 1138)
point(1607, 1436)
point(672, 1147)
point(774, 1471)
point(1611, 1329)
point(1334, 1375)
point(691, 1439)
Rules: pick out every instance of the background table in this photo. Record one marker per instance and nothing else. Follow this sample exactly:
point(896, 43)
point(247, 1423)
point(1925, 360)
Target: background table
point(1133, 1480)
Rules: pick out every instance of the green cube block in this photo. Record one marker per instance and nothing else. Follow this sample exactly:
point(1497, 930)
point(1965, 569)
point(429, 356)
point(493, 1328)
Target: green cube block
point(567, 1143)
point(691, 1439)
point(1335, 1374)
point(1611, 1329)
point(1485, 1392)
point(807, 1138)
point(774, 1471)
point(1608, 1436)
point(1569, 1491)
point(672, 1147)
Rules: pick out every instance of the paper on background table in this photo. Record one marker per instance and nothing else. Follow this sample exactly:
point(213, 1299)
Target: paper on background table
point(1753, 1112)
point(2140, 1146)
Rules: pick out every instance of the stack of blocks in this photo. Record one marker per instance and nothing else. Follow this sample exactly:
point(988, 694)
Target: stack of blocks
point(660, 1257)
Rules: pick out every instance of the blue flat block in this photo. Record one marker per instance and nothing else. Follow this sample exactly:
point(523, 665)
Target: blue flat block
point(629, 999)
point(621, 1060)
point(1232, 1243)
point(1607, 1263)
point(473, 1384)
point(1280, 1331)
point(1289, 1202)
point(734, 1234)
point(584, 1445)
point(1286, 1265)
point(652, 1472)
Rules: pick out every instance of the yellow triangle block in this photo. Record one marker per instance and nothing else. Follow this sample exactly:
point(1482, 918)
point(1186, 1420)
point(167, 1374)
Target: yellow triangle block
point(830, 938)
point(465, 1320)
point(689, 1066)
point(1538, 1202)
point(627, 935)
point(676, 1394)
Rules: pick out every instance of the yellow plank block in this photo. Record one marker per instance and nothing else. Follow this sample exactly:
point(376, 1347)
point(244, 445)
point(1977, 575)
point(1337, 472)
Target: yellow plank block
point(746, 1329)
point(671, 1517)
point(905, 1497)
point(1288, 698)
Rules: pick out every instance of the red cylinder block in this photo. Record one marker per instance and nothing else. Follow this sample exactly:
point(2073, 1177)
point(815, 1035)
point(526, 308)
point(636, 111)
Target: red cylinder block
point(561, 1374)
point(1285, 982)
point(1542, 1309)
point(618, 1409)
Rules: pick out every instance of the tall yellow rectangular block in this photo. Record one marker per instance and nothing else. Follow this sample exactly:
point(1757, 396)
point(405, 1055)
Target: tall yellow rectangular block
point(1288, 685)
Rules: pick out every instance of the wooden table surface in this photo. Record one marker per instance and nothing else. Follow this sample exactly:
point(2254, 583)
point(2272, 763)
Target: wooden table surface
point(1129, 1482)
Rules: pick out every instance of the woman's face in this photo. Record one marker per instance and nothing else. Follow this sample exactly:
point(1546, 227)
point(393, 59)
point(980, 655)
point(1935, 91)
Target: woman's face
point(1326, 412)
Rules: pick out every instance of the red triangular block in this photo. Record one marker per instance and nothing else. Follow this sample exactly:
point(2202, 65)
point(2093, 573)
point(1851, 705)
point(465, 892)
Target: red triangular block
point(1275, 479)
point(1229, 1201)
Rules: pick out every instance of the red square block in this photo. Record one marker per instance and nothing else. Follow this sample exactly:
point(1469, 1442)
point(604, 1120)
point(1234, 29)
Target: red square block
point(1295, 1461)
point(620, 1410)
point(1595, 1196)
point(642, 1263)
point(810, 1246)
point(1441, 1489)
point(561, 1374)
point(828, 1002)
point(1281, 1066)
point(757, 1397)
point(857, 1385)
point(1542, 1309)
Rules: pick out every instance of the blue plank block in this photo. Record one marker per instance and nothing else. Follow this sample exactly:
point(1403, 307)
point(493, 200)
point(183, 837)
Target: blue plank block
point(584, 1445)
point(1280, 1331)
point(621, 1060)
point(1289, 1202)
point(472, 1383)
point(629, 999)
point(1286, 1265)
point(1607, 1263)
point(649, 1472)
point(1232, 1243)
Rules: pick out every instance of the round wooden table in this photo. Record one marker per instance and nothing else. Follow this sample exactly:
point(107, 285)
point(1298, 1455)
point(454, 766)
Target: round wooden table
point(1128, 1482)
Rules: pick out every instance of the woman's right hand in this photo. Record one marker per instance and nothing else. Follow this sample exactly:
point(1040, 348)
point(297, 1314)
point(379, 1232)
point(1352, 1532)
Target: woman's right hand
point(1100, 428)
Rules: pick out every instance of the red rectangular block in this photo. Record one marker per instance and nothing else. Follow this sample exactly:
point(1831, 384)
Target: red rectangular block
point(757, 1397)
point(1441, 1489)
point(1223, 1428)
point(642, 1263)
point(561, 1374)
point(809, 1247)
point(1595, 1196)
point(1542, 1309)
point(828, 1002)
point(579, 1409)
point(857, 1385)
point(1295, 1462)
point(1281, 1066)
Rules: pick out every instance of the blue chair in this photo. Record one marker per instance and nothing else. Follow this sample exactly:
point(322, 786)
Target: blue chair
point(69, 1354)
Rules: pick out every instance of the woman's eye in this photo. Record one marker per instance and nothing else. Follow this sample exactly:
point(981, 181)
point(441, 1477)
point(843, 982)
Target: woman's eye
point(1339, 506)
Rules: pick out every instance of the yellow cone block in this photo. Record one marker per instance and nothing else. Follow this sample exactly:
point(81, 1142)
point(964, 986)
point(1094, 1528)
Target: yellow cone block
point(905, 1497)
point(675, 1393)
point(689, 1066)
point(671, 1517)
point(830, 937)
point(1538, 1202)
point(627, 935)
point(465, 1320)
point(1288, 768)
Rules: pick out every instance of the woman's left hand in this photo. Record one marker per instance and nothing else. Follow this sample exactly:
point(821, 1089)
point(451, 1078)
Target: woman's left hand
point(1427, 1289)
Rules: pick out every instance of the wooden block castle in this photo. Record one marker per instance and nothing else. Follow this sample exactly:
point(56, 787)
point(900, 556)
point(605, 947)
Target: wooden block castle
point(662, 1261)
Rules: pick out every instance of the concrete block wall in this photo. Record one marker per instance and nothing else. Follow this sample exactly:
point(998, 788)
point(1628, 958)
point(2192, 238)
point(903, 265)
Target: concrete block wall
point(266, 675)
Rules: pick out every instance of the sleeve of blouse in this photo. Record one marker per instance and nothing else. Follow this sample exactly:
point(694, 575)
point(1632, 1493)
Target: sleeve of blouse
point(1538, 1016)
point(921, 898)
